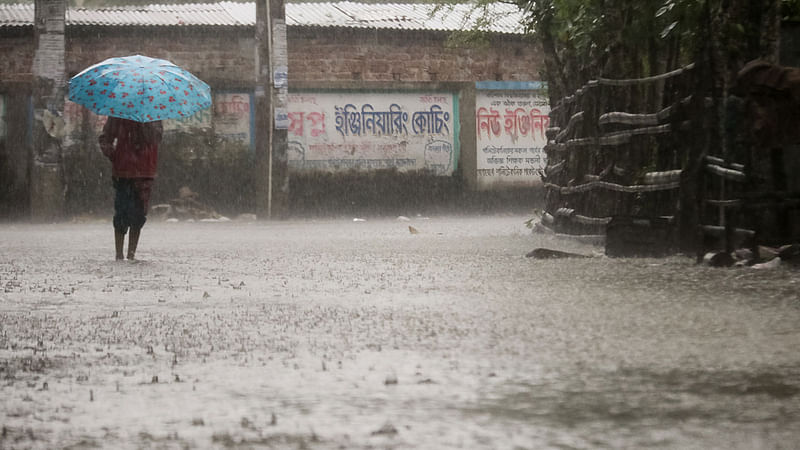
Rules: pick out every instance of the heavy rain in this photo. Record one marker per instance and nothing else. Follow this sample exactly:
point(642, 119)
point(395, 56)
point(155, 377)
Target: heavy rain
point(334, 333)
point(551, 224)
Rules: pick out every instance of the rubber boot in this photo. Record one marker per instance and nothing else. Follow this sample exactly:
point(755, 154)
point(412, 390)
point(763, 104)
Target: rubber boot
point(119, 241)
point(133, 241)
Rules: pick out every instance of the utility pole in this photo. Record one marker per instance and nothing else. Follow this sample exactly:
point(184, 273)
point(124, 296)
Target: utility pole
point(47, 188)
point(271, 62)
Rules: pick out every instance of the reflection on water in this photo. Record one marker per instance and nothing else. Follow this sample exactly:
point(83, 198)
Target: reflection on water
point(362, 335)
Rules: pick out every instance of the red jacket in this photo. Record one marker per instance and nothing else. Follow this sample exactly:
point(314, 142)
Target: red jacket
point(131, 146)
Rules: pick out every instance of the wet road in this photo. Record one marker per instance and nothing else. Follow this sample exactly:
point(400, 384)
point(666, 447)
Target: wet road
point(341, 334)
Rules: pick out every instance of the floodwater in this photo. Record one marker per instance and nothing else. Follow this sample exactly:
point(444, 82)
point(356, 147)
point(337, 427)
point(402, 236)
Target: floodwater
point(340, 334)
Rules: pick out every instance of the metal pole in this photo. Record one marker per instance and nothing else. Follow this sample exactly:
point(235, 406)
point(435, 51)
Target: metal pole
point(270, 118)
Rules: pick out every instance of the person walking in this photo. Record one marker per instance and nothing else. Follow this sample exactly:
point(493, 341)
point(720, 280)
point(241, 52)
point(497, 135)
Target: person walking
point(132, 148)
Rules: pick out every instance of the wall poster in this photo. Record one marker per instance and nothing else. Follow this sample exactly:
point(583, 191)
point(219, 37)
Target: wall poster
point(339, 131)
point(510, 126)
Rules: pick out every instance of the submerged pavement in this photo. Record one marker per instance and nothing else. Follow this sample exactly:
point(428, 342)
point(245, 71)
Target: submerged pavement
point(342, 334)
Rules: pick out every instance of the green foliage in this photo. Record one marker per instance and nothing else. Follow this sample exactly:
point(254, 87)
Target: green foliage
point(790, 10)
point(584, 39)
point(614, 38)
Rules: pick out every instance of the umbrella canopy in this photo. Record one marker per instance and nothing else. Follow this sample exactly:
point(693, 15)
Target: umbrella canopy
point(139, 88)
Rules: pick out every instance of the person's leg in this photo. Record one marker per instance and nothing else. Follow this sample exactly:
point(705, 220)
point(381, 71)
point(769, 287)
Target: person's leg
point(122, 202)
point(141, 196)
point(119, 243)
point(133, 242)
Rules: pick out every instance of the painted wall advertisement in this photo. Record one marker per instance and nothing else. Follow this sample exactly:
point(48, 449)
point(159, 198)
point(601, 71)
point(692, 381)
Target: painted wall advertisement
point(510, 126)
point(233, 117)
point(230, 115)
point(366, 131)
point(335, 131)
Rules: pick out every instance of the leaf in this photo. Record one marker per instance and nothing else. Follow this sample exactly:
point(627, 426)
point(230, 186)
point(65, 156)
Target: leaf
point(668, 29)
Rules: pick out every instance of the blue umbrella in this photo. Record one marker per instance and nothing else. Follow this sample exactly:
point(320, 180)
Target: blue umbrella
point(139, 88)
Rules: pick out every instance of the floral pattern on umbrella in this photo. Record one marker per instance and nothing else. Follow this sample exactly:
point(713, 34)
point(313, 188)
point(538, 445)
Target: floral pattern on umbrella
point(139, 88)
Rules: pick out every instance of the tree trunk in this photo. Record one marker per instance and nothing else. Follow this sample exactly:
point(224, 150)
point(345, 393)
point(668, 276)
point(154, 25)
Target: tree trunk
point(47, 189)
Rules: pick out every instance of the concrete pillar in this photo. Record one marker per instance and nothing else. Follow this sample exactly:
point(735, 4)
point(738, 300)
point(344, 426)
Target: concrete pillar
point(272, 157)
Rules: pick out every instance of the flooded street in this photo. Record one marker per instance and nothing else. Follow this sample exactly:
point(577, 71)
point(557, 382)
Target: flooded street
point(341, 334)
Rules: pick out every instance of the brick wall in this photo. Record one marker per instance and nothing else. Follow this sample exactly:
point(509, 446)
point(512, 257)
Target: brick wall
point(16, 57)
point(224, 57)
point(324, 54)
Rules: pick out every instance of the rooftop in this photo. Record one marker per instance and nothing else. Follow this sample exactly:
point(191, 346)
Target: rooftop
point(498, 18)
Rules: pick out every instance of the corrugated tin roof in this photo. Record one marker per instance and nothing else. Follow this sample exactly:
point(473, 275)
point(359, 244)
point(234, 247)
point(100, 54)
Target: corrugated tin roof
point(502, 18)
point(16, 15)
point(209, 14)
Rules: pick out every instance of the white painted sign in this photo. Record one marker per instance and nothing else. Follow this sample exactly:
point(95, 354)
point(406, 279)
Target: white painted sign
point(511, 137)
point(364, 131)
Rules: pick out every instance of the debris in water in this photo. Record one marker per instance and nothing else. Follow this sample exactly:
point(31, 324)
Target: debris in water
point(413, 230)
point(403, 218)
point(205, 294)
point(387, 429)
point(390, 379)
point(771, 264)
point(246, 423)
point(719, 259)
point(154, 380)
point(358, 219)
point(546, 253)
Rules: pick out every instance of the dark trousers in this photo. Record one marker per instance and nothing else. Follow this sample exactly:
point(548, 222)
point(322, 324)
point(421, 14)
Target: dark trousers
point(131, 199)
